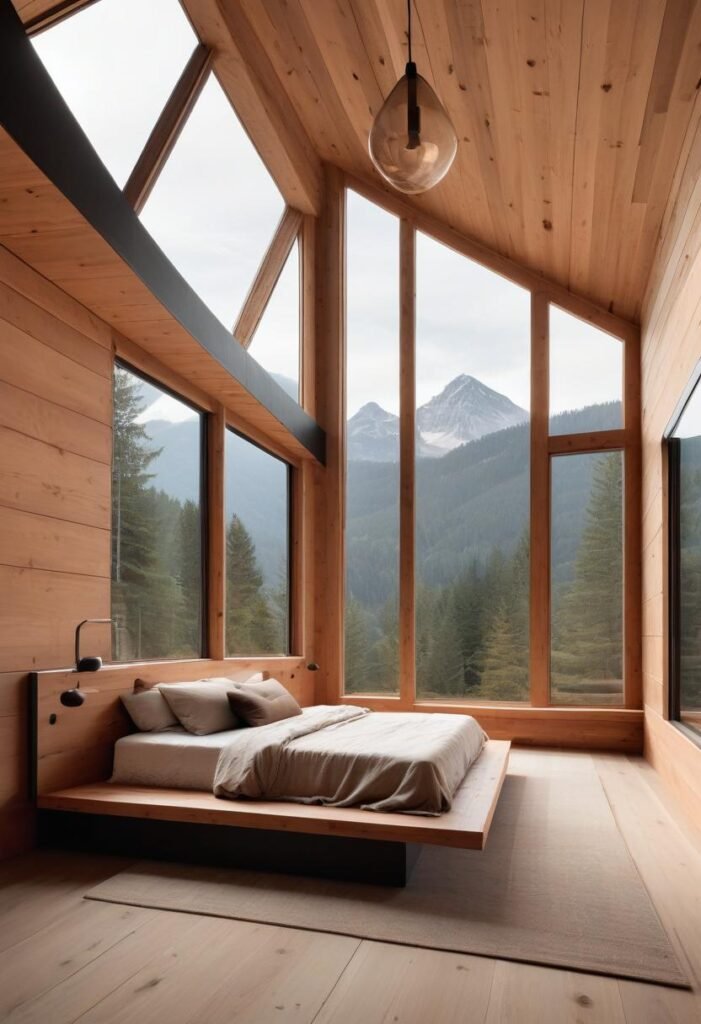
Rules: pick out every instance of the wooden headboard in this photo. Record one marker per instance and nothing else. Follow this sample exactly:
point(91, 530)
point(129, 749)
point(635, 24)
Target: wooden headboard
point(74, 746)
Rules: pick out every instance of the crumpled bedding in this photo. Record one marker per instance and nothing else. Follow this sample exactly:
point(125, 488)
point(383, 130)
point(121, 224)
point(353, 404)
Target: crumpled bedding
point(344, 756)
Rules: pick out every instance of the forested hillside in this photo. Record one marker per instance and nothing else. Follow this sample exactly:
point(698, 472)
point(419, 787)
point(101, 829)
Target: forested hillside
point(472, 509)
point(157, 603)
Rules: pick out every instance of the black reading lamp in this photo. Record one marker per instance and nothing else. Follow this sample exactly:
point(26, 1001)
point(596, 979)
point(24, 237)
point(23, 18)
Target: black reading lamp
point(74, 698)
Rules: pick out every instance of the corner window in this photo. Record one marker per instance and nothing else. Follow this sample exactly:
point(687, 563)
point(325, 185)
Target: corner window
point(157, 522)
point(684, 451)
point(257, 508)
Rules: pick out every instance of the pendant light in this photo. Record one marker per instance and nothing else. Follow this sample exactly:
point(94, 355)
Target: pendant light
point(412, 141)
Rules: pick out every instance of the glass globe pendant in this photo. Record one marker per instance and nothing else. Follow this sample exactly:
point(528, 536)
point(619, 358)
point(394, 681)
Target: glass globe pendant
point(412, 141)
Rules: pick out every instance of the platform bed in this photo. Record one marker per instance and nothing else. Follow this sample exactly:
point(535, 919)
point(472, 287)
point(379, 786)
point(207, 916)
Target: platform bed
point(196, 826)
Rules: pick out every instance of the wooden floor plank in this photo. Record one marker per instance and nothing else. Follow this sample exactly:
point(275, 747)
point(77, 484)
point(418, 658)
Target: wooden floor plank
point(70, 998)
point(393, 983)
point(77, 938)
point(523, 994)
point(181, 969)
point(225, 970)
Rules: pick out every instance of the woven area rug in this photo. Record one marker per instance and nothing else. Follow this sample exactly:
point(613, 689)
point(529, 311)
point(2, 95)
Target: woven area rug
point(556, 885)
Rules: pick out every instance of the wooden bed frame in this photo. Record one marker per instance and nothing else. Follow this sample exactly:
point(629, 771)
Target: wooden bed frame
point(71, 760)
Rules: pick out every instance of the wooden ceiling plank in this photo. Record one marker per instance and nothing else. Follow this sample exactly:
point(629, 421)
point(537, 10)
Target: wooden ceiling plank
point(563, 36)
point(466, 25)
point(348, 63)
point(590, 98)
point(618, 225)
point(627, 44)
point(302, 73)
point(267, 276)
point(681, 105)
point(270, 119)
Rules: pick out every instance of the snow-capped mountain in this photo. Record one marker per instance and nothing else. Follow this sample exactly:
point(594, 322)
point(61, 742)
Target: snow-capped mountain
point(465, 410)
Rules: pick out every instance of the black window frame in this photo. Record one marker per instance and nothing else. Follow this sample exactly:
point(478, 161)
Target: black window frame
point(291, 525)
point(204, 417)
point(672, 450)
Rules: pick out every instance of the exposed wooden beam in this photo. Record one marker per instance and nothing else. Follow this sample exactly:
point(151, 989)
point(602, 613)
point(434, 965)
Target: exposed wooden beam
point(44, 14)
point(168, 127)
point(268, 273)
point(266, 112)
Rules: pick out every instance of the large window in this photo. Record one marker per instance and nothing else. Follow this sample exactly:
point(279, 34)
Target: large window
point(115, 64)
point(684, 449)
point(472, 479)
point(214, 207)
point(372, 449)
point(499, 417)
point(157, 522)
point(257, 507)
point(586, 567)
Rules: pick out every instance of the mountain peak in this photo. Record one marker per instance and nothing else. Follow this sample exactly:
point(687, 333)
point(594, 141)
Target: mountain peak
point(465, 410)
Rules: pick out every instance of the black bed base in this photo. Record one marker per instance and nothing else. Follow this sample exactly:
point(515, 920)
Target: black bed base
point(373, 861)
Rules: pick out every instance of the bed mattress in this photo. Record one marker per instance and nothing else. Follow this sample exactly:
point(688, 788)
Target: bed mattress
point(174, 759)
point(340, 756)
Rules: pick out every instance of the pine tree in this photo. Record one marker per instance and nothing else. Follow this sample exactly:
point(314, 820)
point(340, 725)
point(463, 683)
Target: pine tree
point(356, 647)
point(587, 631)
point(250, 622)
point(144, 597)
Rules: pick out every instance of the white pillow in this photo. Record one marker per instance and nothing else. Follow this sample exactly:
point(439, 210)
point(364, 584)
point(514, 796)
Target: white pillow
point(149, 711)
point(203, 707)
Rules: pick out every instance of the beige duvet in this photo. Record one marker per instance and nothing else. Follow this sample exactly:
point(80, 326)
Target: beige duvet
point(346, 756)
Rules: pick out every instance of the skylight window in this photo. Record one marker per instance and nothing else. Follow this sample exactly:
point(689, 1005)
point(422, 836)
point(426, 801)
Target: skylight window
point(214, 207)
point(276, 342)
point(115, 64)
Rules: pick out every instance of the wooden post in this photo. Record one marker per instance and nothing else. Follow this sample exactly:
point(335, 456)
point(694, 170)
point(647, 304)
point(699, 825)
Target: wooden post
point(540, 503)
point(329, 483)
point(216, 535)
point(407, 462)
point(632, 521)
point(307, 313)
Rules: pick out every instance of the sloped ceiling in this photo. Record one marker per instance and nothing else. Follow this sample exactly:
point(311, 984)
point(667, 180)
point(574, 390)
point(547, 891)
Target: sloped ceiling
point(571, 114)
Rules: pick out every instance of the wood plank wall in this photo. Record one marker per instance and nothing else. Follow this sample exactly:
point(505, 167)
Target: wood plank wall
point(55, 454)
point(671, 346)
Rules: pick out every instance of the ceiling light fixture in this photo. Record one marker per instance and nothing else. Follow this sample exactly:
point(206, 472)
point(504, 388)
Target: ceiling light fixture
point(412, 141)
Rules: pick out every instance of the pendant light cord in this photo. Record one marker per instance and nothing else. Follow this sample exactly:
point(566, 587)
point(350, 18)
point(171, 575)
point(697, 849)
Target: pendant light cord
point(408, 12)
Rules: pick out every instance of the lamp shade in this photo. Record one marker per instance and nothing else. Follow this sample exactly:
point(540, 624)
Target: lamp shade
point(412, 150)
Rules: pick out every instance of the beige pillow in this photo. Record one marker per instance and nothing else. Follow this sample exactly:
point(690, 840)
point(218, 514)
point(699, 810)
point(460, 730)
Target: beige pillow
point(262, 703)
point(202, 708)
point(149, 711)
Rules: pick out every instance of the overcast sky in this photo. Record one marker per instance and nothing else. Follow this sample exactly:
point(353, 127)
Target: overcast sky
point(214, 210)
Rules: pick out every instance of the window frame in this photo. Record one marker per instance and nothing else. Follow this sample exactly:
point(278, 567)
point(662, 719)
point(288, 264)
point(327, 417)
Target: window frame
point(119, 362)
point(543, 447)
point(671, 450)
